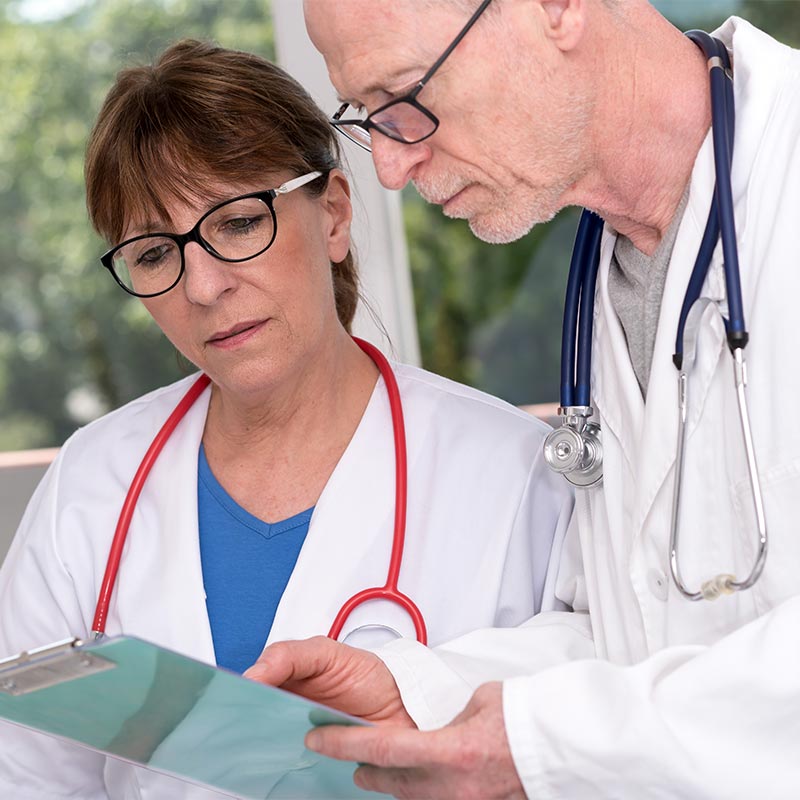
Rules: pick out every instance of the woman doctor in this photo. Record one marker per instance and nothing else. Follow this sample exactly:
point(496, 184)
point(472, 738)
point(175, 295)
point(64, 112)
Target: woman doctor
point(273, 500)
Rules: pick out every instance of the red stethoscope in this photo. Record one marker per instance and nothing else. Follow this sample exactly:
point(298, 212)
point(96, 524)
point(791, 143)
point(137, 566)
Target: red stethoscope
point(388, 591)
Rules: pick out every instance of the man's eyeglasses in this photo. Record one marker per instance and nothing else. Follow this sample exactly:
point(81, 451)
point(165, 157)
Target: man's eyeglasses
point(403, 119)
point(234, 230)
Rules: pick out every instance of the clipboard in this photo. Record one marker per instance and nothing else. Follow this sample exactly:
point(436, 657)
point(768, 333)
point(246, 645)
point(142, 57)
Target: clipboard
point(133, 700)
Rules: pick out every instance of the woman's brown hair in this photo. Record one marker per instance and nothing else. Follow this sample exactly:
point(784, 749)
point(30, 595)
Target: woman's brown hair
point(199, 116)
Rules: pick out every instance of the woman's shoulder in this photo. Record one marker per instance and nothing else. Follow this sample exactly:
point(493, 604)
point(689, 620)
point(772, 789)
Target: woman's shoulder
point(137, 420)
point(459, 403)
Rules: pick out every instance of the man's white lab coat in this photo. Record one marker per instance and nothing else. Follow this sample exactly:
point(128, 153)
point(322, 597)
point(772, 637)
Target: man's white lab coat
point(684, 699)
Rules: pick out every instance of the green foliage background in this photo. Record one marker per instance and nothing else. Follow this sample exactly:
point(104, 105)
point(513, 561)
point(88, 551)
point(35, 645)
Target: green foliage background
point(72, 345)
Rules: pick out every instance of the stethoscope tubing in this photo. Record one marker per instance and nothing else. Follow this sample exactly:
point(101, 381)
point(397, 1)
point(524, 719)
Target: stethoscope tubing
point(132, 497)
point(578, 435)
point(389, 591)
point(583, 369)
point(579, 313)
point(723, 114)
point(721, 226)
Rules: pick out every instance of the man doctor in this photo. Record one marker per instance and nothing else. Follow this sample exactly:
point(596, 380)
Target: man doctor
point(602, 104)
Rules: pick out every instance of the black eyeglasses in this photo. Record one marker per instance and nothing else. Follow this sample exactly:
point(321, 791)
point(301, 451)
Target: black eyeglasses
point(403, 119)
point(234, 230)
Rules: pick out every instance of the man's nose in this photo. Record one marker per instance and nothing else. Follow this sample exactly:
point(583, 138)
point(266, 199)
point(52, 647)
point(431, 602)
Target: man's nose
point(396, 162)
point(206, 278)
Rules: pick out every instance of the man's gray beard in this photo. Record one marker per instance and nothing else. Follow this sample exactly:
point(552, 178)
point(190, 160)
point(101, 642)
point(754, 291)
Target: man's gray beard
point(512, 225)
point(498, 226)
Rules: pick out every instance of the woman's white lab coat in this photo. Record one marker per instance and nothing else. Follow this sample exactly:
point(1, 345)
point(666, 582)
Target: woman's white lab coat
point(483, 511)
point(686, 699)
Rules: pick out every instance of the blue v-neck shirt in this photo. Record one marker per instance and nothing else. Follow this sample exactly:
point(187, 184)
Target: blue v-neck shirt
point(246, 566)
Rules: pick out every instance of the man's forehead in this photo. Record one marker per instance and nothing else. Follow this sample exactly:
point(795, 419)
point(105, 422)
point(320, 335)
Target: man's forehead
point(371, 45)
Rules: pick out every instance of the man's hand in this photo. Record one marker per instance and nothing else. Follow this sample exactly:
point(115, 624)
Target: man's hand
point(351, 680)
point(469, 758)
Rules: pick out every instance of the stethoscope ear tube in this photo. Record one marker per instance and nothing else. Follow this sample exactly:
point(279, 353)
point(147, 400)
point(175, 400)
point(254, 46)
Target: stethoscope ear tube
point(723, 128)
point(724, 583)
point(723, 120)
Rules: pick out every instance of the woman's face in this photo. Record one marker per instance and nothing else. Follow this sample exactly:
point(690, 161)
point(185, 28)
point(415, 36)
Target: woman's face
point(255, 324)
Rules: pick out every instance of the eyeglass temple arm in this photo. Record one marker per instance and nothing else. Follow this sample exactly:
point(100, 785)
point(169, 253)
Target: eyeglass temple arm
point(439, 61)
point(296, 183)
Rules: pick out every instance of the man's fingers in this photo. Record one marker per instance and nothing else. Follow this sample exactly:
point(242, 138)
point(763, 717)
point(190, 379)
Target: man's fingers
point(388, 746)
point(401, 783)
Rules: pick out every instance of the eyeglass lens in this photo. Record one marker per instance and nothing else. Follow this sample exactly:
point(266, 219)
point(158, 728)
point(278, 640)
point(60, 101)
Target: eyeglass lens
point(236, 231)
point(402, 121)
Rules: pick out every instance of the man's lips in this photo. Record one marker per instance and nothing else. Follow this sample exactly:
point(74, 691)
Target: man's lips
point(238, 330)
point(440, 200)
point(448, 200)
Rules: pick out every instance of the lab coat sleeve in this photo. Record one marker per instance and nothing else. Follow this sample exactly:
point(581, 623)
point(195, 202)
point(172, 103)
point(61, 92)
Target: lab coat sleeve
point(435, 684)
point(38, 606)
point(691, 721)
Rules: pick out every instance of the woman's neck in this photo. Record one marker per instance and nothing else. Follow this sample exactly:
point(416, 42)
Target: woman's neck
point(274, 457)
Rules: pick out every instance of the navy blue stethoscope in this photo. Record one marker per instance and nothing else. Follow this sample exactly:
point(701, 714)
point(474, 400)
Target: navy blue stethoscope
point(575, 448)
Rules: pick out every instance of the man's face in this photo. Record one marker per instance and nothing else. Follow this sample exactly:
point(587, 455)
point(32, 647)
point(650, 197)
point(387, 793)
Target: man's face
point(511, 138)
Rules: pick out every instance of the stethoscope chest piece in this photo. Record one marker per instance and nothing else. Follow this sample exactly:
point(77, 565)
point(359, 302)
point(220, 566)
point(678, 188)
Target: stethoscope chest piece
point(575, 449)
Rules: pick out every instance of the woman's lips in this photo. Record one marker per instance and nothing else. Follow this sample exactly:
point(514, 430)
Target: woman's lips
point(237, 335)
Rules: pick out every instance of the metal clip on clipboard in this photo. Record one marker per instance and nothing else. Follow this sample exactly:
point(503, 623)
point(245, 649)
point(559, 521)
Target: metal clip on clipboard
point(48, 666)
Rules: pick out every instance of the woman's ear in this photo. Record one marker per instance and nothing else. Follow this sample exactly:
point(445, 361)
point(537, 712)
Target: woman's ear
point(336, 201)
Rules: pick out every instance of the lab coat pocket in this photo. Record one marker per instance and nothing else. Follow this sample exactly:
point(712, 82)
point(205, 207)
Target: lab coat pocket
point(780, 487)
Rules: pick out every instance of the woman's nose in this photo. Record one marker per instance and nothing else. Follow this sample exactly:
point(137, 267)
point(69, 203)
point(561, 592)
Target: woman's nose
point(206, 278)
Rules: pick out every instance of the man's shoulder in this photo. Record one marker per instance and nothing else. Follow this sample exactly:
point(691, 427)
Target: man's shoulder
point(761, 58)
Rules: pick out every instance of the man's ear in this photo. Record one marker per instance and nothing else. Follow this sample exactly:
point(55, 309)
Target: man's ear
point(564, 22)
point(340, 212)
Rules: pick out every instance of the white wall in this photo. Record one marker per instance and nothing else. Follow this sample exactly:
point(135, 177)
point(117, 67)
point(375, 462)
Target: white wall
point(378, 224)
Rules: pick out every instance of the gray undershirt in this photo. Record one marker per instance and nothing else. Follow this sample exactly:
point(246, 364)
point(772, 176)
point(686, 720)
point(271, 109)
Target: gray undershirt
point(636, 287)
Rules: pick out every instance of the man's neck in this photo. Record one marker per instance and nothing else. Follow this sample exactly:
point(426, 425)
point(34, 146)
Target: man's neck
point(651, 120)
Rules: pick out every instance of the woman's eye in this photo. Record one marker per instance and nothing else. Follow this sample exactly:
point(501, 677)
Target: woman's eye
point(239, 225)
point(153, 255)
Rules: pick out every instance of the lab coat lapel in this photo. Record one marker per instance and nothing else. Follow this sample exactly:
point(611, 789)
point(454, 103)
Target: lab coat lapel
point(161, 595)
point(350, 536)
